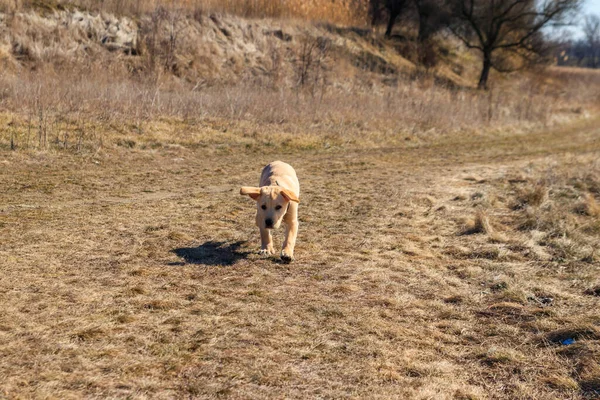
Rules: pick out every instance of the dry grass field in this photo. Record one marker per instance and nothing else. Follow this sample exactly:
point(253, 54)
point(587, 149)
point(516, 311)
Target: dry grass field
point(446, 271)
point(448, 243)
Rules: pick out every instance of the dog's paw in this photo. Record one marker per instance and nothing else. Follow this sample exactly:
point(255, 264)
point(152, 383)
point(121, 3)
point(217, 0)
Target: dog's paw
point(286, 258)
point(265, 252)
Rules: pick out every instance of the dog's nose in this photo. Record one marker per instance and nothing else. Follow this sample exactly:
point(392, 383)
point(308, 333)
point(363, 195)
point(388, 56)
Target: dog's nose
point(269, 222)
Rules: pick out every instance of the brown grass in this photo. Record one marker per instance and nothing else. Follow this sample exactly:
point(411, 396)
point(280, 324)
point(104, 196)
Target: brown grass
point(588, 206)
point(67, 112)
point(344, 12)
point(565, 217)
point(131, 271)
point(129, 265)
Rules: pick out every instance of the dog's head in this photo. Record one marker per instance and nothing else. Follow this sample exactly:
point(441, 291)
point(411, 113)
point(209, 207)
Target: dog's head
point(271, 204)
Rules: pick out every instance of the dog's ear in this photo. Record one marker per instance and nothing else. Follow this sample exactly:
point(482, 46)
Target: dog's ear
point(253, 192)
point(289, 195)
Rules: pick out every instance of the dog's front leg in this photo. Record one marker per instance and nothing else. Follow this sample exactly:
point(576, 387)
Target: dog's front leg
point(291, 231)
point(266, 242)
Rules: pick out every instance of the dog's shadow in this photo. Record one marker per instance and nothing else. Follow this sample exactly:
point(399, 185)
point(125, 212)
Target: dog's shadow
point(211, 253)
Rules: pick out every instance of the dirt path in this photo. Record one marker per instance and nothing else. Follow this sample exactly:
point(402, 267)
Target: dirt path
point(134, 274)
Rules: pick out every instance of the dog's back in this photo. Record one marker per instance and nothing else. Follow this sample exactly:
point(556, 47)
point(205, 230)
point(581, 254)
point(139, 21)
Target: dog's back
point(280, 174)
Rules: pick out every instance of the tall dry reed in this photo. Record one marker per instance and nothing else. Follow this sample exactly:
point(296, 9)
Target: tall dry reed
point(345, 12)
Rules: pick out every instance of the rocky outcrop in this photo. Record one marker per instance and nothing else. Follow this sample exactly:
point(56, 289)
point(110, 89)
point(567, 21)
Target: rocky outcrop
point(197, 48)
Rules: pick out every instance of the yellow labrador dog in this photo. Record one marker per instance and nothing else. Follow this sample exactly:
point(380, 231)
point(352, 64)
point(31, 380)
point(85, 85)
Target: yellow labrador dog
point(277, 200)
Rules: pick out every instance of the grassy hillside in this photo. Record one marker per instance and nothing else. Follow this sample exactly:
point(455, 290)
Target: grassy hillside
point(76, 79)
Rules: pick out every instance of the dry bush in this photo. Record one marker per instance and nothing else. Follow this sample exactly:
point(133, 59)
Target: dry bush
point(311, 64)
point(533, 196)
point(480, 223)
point(588, 206)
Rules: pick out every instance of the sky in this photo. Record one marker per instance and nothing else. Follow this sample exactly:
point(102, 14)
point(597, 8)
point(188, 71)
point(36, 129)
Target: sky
point(592, 6)
point(589, 7)
point(575, 31)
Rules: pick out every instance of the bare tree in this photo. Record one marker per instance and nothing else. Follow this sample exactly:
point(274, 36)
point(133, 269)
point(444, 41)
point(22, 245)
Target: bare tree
point(433, 15)
point(162, 34)
point(430, 15)
point(500, 27)
point(579, 51)
point(591, 32)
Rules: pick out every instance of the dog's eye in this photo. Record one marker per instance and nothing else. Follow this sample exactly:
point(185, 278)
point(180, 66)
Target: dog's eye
point(264, 207)
point(278, 207)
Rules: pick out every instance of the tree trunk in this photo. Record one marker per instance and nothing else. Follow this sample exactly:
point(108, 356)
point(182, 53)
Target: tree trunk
point(485, 71)
point(423, 28)
point(393, 16)
point(375, 12)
